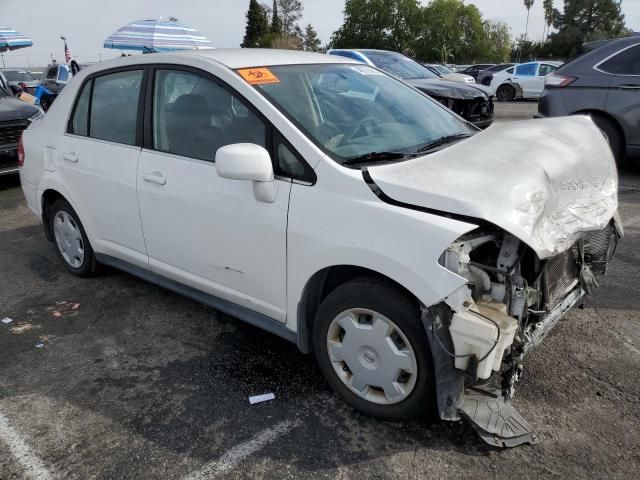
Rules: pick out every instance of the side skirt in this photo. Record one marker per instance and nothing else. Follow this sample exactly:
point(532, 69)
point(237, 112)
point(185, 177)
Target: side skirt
point(246, 315)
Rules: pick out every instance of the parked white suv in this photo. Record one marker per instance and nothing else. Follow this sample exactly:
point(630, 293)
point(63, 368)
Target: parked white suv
point(337, 207)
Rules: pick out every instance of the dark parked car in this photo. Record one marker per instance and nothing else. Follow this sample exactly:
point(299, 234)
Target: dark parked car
point(605, 83)
point(474, 70)
point(15, 116)
point(471, 101)
point(19, 78)
point(485, 76)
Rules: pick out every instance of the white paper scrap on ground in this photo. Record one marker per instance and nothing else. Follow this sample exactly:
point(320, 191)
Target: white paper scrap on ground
point(7, 320)
point(261, 398)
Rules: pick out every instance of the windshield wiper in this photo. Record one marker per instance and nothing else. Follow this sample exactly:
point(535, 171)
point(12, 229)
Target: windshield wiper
point(374, 157)
point(442, 141)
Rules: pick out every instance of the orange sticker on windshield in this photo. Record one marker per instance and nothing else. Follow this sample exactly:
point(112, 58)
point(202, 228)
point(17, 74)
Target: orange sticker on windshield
point(258, 76)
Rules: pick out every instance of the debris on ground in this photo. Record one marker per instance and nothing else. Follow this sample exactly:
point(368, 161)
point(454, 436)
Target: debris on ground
point(39, 345)
point(64, 309)
point(7, 320)
point(261, 398)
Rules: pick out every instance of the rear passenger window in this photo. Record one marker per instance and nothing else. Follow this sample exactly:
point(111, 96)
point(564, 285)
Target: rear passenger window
point(193, 116)
point(79, 122)
point(114, 107)
point(546, 69)
point(626, 62)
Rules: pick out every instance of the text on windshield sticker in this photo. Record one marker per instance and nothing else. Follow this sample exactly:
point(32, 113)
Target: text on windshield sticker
point(258, 76)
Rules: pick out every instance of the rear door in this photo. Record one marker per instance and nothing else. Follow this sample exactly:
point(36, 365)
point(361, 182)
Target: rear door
point(99, 159)
point(543, 70)
point(623, 101)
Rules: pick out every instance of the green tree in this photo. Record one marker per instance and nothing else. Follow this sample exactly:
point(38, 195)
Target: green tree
point(384, 24)
point(311, 41)
point(498, 41)
point(256, 27)
point(584, 21)
point(454, 25)
point(549, 15)
point(290, 13)
point(276, 23)
point(527, 4)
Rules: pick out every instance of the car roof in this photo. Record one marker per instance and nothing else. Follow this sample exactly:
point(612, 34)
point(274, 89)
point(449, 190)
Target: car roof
point(584, 62)
point(233, 58)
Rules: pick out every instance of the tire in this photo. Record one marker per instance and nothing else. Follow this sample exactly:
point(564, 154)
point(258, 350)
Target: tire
point(70, 240)
point(613, 136)
point(506, 93)
point(365, 358)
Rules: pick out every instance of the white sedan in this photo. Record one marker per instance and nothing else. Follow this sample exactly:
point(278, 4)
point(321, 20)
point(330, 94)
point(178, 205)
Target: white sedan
point(525, 80)
point(449, 74)
point(338, 207)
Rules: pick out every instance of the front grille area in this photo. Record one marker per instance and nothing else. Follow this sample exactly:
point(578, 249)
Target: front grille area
point(599, 248)
point(560, 276)
point(10, 134)
point(476, 110)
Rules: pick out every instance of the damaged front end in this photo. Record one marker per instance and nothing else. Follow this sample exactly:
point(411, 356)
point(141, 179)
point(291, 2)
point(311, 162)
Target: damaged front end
point(480, 334)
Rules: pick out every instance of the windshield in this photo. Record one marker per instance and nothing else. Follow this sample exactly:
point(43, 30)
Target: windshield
point(398, 65)
point(442, 69)
point(354, 110)
point(17, 76)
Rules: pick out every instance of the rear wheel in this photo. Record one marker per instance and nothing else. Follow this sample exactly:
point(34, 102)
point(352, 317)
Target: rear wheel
point(613, 136)
point(373, 350)
point(70, 240)
point(506, 93)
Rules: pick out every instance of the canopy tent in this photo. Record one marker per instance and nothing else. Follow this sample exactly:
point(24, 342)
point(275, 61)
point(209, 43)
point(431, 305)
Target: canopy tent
point(157, 36)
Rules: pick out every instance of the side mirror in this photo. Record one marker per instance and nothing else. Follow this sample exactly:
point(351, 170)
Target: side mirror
point(248, 161)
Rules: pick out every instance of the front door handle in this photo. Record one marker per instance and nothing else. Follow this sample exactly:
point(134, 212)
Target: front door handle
point(70, 157)
point(154, 177)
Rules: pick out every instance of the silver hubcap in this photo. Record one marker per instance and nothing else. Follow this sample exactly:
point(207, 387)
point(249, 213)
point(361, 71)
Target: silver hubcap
point(372, 356)
point(69, 239)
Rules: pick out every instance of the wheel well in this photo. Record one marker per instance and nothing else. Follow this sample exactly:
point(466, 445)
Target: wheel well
point(320, 285)
point(606, 116)
point(48, 198)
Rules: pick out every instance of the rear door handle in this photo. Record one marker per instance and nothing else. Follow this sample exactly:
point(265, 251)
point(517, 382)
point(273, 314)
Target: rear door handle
point(154, 177)
point(70, 157)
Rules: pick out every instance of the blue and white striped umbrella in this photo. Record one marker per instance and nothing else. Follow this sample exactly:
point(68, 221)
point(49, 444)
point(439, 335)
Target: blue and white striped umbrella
point(157, 36)
point(12, 40)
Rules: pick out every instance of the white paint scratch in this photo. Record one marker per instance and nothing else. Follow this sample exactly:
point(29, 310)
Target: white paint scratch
point(230, 459)
point(22, 454)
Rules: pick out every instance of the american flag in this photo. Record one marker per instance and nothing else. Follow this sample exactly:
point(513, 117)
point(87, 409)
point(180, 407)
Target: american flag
point(67, 53)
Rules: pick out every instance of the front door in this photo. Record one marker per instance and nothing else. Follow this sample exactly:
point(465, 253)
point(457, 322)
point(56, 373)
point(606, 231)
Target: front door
point(525, 75)
point(200, 229)
point(99, 160)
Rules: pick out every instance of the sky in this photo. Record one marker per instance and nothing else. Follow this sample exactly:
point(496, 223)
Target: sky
point(86, 23)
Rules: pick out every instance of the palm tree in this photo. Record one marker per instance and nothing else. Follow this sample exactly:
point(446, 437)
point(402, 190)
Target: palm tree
point(547, 5)
point(528, 4)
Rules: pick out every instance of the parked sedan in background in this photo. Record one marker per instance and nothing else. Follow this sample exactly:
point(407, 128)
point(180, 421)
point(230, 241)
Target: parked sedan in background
point(525, 80)
point(15, 77)
point(474, 70)
point(485, 76)
point(605, 83)
point(471, 102)
point(448, 74)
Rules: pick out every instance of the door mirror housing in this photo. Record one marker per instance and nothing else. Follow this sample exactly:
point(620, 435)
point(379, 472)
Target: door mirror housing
point(248, 161)
point(244, 161)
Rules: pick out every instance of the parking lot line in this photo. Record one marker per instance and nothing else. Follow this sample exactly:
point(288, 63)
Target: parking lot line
point(237, 454)
point(22, 454)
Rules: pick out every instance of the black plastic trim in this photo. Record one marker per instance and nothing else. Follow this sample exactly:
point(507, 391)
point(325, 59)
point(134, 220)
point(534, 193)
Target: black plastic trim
point(246, 315)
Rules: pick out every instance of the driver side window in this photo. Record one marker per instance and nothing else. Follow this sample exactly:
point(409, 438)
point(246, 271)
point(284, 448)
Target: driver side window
point(193, 116)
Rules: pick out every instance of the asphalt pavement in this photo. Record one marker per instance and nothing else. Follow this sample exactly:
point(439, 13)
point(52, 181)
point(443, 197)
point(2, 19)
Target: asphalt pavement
point(127, 380)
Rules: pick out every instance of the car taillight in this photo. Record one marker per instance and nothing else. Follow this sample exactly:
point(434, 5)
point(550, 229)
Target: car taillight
point(20, 153)
point(557, 80)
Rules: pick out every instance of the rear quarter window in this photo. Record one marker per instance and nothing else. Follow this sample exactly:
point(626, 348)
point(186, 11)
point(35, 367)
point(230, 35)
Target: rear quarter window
point(626, 62)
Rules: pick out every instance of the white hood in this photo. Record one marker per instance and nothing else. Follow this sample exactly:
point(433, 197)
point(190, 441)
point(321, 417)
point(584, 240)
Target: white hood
point(545, 181)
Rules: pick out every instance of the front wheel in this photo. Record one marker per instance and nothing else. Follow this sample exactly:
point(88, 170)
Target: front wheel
point(373, 351)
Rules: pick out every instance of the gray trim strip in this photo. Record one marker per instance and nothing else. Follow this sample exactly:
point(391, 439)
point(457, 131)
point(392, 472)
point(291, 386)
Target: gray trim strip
point(249, 316)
